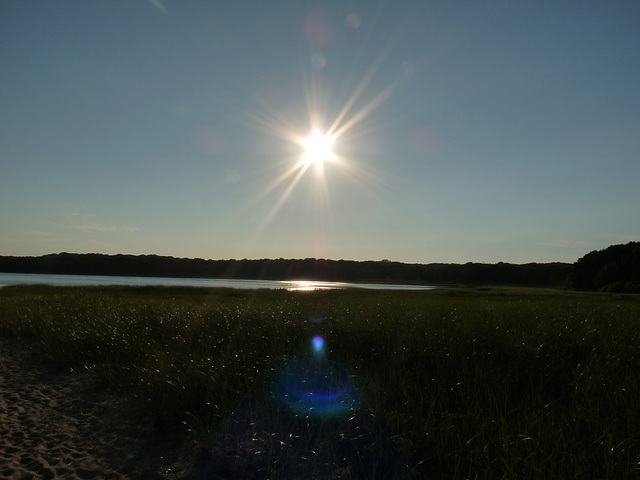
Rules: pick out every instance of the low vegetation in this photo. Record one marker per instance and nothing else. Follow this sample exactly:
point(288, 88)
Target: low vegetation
point(460, 383)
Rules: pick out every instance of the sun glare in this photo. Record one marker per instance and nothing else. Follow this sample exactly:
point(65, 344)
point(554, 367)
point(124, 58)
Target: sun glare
point(328, 127)
point(317, 148)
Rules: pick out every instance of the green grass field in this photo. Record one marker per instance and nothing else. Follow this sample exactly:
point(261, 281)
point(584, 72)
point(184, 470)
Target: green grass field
point(461, 383)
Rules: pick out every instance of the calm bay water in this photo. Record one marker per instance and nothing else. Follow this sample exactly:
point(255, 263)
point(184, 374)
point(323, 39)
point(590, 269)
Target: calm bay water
point(293, 285)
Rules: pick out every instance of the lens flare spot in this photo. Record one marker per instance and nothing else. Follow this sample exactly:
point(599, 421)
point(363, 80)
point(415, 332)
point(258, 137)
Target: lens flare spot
point(318, 345)
point(353, 20)
point(318, 60)
point(316, 387)
point(318, 29)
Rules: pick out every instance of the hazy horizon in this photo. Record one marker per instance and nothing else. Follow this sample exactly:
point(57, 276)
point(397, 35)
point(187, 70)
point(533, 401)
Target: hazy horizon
point(462, 132)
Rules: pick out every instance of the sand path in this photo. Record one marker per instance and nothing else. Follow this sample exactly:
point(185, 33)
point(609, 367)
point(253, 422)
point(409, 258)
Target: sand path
point(54, 424)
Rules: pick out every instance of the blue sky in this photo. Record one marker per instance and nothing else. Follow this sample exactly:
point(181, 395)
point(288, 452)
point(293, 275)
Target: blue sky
point(462, 131)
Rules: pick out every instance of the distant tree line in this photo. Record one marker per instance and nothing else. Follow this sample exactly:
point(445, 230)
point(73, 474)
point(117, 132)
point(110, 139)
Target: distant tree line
point(530, 274)
point(614, 269)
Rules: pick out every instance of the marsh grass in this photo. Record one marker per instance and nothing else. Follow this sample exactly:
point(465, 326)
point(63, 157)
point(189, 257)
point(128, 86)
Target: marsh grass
point(465, 383)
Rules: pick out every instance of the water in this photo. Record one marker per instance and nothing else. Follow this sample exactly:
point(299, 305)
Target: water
point(293, 285)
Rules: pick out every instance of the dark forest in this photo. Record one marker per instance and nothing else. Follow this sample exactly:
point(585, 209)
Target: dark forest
point(531, 274)
point(616, 269)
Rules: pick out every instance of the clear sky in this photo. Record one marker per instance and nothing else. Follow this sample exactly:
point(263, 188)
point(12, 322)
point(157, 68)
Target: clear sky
point(462, 131)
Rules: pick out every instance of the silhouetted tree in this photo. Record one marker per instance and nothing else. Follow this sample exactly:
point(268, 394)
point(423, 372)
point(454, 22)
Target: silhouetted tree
point(616, 268)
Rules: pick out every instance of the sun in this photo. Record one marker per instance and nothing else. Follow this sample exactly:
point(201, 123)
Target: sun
point(317, 148)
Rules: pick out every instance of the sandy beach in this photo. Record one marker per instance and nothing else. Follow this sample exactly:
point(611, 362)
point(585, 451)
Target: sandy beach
point(55, 424)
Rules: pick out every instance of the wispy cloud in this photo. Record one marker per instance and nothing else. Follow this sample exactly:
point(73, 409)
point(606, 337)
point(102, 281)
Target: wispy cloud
point(90, 228)
point(87, 225)
point(40, 233)
point(619, 238)
point(567, 243)
point(8, 239)
point(600, 240)
point(45, 236)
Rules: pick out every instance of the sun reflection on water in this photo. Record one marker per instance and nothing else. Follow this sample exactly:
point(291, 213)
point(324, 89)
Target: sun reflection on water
point(310, 285)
